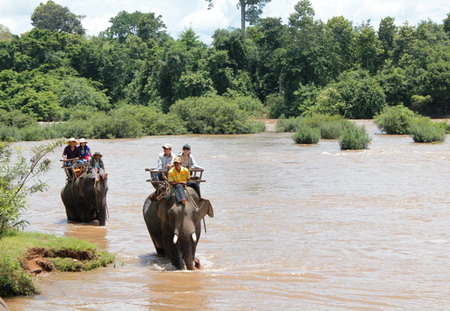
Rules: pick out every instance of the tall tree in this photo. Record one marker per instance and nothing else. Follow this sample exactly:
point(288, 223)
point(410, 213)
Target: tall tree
point(5, 34)
point(144, 25)
point(54, 17)
point(250, 11)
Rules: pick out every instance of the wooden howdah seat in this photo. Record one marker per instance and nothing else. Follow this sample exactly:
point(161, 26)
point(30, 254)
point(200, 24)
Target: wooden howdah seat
point(72, 172)
point(162, 186)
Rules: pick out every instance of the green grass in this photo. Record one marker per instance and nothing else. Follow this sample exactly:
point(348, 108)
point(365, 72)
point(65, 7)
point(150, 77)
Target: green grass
point(64, 254)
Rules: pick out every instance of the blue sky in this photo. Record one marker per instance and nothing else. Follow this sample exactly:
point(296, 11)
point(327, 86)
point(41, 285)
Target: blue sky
point(181, 14)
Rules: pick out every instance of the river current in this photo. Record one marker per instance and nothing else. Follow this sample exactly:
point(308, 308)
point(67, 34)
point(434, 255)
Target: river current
point(296, 227)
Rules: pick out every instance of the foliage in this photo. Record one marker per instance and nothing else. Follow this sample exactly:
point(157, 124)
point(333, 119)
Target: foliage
point(54, 17)
point(395, 119)
point(423, 130)
point(16, 173)
point(306, 134)
point(330, 126)
point(354, 137)
point(296, 68)
point(61, 252)
point(215, 115)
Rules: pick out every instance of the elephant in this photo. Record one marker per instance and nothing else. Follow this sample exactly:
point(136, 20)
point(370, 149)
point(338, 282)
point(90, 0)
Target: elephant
point(85, 198)
point(175, 228)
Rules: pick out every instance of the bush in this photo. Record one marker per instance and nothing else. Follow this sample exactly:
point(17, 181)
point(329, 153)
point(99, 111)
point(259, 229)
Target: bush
point(330, 126)
point(306, 135)
point(16, 118)
point(424, 130)
point(251, 105)
point(395, 119)
point(354, 137)
point(214, 115)
point(288, 125)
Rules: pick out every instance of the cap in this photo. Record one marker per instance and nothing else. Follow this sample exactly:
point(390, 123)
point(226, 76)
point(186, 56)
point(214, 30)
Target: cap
point(186, 146)
point(177, 160)
point(167, 146)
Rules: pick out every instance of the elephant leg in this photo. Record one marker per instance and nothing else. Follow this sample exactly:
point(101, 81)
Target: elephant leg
point(156, 239)
point(173, 251)
point(102, 216)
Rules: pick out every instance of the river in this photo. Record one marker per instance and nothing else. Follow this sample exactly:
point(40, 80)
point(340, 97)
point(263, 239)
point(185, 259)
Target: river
point(296, 228)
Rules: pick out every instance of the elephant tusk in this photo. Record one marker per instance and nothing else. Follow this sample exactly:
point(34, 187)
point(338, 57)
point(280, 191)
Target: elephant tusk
point(175, 239)
point(194, 237)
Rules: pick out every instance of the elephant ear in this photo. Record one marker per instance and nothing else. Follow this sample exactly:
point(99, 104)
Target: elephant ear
point(205, 208)
point(162, 209)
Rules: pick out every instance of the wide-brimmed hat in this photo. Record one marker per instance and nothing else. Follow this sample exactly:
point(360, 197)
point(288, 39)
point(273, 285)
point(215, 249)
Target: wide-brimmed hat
point(167, 146)
point(98, 153)
point(71, 140)
point(82, 140)
point(177, 160)
point(186, 146)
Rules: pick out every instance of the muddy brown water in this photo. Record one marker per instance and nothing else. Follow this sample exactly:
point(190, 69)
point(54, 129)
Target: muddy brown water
point(296, 228)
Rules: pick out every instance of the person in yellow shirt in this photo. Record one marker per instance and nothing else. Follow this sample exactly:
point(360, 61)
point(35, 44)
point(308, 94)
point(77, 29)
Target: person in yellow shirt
point(178, 178)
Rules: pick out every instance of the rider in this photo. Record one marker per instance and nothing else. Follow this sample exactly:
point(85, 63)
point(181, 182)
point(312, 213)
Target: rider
point(85, 151)
point(71, 152)
point(97, 164)
point(179, 177)
point(165, 161)
point(187, 159)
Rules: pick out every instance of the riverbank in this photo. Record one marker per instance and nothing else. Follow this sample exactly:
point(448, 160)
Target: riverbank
point(27, 254)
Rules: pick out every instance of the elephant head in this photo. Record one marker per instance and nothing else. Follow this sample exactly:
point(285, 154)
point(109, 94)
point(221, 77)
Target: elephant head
point(181, 227)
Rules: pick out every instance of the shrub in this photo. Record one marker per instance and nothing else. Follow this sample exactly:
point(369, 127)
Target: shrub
point(214, 115)
point(251, 105)
point(424, 130)
point(15, 177)
point(354, 137)
point(395, 119)
point(16, 118)
point(330, 126)
point(306, 135)
point(288, 125)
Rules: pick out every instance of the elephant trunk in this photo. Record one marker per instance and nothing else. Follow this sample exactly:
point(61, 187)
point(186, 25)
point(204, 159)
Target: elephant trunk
point(188, 257)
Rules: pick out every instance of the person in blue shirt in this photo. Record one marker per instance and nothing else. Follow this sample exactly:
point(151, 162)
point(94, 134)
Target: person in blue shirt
point(85, 151)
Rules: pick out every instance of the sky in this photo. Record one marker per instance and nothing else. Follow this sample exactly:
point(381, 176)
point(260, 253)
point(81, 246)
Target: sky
point(179, 15)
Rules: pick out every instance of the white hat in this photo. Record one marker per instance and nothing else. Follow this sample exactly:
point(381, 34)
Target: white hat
point(167, 146)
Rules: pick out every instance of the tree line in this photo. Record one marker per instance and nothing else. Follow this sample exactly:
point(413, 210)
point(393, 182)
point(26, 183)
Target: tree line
point(301, 67)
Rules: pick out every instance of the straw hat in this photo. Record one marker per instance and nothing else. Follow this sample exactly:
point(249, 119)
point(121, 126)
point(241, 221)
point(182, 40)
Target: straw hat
point(82, 140)
point(71, 140)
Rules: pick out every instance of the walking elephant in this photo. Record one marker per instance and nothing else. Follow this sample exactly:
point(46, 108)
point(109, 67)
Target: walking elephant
point(85, 198)
point(175, 228)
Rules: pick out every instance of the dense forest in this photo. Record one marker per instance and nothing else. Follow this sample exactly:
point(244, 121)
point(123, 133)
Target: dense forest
point(56, 71)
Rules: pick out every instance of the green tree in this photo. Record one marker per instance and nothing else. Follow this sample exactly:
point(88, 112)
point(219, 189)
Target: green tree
point(447, 24)
point(5, 34)
point(55, 17)
point(144, 25)
point(250, 11)
point(386, 34)
point(368, 48)
point(362, 94)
